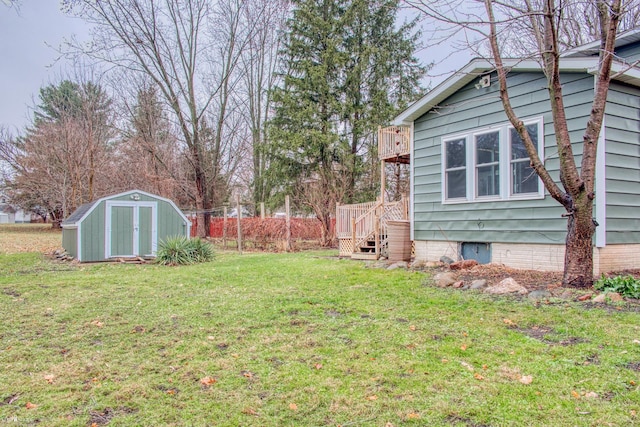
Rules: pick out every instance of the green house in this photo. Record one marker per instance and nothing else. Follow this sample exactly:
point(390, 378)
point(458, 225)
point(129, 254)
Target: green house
point(473, 192)
point(124, 225)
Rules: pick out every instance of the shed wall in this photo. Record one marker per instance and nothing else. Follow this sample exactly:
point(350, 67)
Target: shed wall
point(92, 228)
point(70, 241)
point(92, 235)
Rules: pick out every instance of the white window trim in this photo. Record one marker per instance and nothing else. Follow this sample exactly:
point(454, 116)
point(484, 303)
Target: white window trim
point(505, 164)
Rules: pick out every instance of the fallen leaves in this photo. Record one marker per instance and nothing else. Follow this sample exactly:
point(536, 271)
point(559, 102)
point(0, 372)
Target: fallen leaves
point(250, 411)
point(587, 395)
point(293, 406)
point(526, 379)
point(413, 416)
point(97, 323)
point(317, 366)
point(208, 381)
point(49, 378)
point(372, 397)
point(478, 376)
point(30, 405)
point(468, 366)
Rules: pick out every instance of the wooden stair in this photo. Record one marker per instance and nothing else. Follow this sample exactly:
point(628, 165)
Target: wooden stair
point(366, 251)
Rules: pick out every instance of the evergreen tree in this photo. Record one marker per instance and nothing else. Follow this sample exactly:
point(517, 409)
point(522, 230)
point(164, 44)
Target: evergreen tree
point(381, 76)
point(346, 69)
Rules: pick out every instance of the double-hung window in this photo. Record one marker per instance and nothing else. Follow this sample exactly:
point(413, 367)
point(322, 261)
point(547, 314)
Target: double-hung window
point(491, 164)
point(456, 168)
point(524, 180)
point(487, 165)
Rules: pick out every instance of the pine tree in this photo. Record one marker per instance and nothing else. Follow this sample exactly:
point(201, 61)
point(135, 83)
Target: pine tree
point(345, 71)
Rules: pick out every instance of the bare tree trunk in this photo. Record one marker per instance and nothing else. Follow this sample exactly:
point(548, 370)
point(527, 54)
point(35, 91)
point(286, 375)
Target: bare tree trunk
point(578, 259)
point(577, 197)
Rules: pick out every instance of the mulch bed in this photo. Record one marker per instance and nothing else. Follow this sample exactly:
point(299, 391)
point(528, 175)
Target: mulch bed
point(530, 279)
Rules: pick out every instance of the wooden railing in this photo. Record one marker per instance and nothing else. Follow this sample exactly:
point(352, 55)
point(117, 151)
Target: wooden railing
point(393, 141)
point(346, 213)
point(360, 223)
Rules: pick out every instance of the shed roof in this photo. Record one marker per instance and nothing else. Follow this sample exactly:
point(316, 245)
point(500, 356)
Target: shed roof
point(79, 213)
point(84, 210)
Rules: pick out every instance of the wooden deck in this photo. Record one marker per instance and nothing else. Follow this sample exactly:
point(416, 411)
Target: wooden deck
point(394, 144)
point(362, 229)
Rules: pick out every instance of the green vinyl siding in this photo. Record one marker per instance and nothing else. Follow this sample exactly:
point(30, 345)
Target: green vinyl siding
point(468, 110)
point(622, 135)
point(92, 235)
point(629, 53)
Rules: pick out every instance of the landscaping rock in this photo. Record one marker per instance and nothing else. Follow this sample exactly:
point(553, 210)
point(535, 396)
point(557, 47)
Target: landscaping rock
point(399, 264)
point(458, 284)
point(446, 260)
point(418, 265)
point(609, 296)
point(614, 297)
point(478, 284)
point(539, 295)
point(463, 265)
point(444, 279)
point(507, 286)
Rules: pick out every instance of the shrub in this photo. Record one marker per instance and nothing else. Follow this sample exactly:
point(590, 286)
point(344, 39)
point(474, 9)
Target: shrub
point(202, 250)
point(180, 250)
point(626, 286)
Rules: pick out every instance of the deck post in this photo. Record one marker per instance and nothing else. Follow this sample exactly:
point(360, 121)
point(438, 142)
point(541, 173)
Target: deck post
point(376, 234)
point(383, 180)
point(353, 234)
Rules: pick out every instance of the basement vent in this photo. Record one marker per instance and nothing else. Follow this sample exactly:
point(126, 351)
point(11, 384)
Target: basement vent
point(481, 252)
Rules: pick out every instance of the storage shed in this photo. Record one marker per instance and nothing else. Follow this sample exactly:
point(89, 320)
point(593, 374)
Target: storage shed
point(124, 225)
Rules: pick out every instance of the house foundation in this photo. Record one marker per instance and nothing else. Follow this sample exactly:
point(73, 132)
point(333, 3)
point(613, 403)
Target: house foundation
point(535, 256)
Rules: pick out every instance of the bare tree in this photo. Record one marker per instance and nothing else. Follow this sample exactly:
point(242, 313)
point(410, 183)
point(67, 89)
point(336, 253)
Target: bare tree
point(539, 26)
point(189, 50)
point(147, 156)
point(58, 164)
point(259, 63)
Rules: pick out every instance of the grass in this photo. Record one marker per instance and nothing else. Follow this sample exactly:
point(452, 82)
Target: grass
point(15, 238)
point(299, 339)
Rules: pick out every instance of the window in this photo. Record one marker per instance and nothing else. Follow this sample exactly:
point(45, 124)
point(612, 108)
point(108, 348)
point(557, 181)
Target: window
point(456, 168)
point(490, 164)
point(523, 177)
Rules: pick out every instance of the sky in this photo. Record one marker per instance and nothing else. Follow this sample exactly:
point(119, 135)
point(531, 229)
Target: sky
point(30, 35)
point(28, 39)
